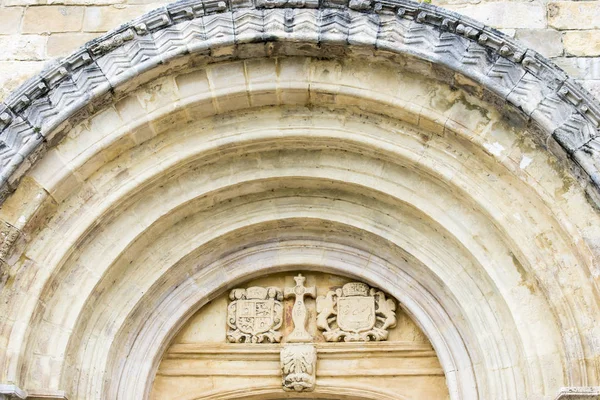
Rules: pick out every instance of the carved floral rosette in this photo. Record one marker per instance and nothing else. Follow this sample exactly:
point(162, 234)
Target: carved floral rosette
point(254, 315)
point(355, 313)
point(298, 367)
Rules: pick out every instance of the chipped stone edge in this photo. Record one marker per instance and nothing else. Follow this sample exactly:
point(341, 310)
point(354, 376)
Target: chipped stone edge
point(579, 393)
point(533, 84)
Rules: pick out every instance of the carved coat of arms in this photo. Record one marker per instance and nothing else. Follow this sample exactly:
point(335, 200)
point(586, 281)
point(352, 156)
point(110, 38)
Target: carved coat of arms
point(254, 315)
point(354, 313)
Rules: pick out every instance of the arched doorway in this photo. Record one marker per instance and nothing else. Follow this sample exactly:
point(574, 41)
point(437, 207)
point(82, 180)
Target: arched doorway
point(342, 140)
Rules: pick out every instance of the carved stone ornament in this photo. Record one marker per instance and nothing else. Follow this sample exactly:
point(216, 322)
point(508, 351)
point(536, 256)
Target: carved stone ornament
point(299, 313)
point(355, 313)
point(254, 315)
point(298, 367)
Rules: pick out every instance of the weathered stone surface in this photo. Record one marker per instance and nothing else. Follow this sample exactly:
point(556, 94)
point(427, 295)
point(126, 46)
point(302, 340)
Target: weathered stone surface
point(103, 19)
point(580, 67)
point(62, 44)
point(523, 15)
point(582, 43)
point(355, 312)
point(548, 42)
point(299, 367)
point(10, 20)
point(23, 48)
point(574, 14)
point(593, 86)
point(354, 144)
point(52, 19)
point(579, 393)
point(497, 58)
point(15, 73)
point(255, 315)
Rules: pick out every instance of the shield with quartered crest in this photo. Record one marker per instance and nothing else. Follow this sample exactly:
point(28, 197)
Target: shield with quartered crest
point(254, 315)
point(356, 309)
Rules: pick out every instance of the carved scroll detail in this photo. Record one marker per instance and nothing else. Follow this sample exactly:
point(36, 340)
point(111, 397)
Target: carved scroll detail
point(355, 313)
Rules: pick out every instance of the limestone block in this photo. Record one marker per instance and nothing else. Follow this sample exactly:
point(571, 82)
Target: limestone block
point(593, 86)
point(22, 48)
point(574, 14)
point(505, 14)
point(103, 19)
point(582, 43)
point(16, 72)
point(10, 20)
point(547, 42)
point(63, 44)
point(580, 67)
point(52, 19)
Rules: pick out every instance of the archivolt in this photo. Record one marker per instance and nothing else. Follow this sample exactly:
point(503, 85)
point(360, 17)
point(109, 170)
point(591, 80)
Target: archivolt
point(170, 37)
point(218, 169)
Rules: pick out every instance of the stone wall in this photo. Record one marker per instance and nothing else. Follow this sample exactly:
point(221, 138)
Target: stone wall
point(35, 31)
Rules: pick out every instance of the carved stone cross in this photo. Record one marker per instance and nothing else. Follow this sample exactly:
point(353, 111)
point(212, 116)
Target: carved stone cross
point(299, 311)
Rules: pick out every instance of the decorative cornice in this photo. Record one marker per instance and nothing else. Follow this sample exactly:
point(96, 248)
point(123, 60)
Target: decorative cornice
point(533, 84)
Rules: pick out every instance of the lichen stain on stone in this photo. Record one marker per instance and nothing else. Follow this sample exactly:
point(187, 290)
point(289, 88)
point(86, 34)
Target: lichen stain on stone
point(445, 100)
point(526, 279)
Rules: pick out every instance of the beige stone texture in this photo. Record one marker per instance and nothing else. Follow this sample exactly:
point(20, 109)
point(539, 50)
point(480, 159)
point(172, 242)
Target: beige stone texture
point(204, 179)
point(152, 206)
point(15, 73)
point(102, 19)
point(582, 43)
point(10, 20)
point(574, 14)
point(524, 15)
point(524, 20)
point(547, 42)
point(46, 19)
point(23, 48)
point(62, 44)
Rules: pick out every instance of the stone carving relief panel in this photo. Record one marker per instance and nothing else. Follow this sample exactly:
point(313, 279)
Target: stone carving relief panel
point(355, 312)
point(298, 367)
point(255, 315)
point(267, 333)
point(352, 312)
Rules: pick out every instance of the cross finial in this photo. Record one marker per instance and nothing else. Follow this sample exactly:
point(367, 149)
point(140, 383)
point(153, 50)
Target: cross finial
point(299, 310)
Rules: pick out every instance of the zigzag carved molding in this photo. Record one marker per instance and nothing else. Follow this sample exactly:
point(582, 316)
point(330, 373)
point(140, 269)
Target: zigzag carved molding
point(543, 92)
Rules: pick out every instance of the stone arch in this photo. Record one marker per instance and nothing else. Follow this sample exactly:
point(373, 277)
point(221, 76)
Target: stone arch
point(225, 66)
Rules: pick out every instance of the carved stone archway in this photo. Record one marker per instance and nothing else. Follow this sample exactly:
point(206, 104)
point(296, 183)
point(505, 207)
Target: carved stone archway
point(209, 142)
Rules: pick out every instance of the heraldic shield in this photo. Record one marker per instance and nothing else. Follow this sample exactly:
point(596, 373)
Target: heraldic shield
point(355, 312)
point(254, 315)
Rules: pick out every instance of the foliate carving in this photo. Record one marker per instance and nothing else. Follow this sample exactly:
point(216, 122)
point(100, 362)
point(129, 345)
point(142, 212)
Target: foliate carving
point(298, 367)
point(254, 315)
point(355, 313)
